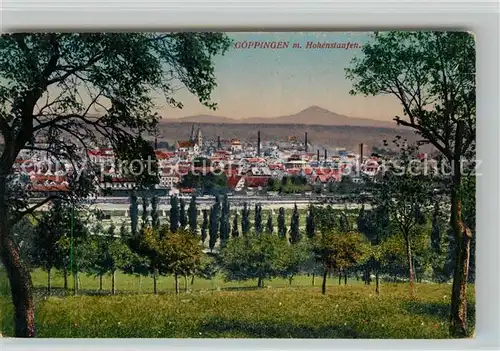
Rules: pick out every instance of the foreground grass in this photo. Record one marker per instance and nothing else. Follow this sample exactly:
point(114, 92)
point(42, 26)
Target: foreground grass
point(352, 311)
point(127, 284)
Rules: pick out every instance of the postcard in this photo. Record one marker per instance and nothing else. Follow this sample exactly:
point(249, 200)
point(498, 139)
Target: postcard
point(238, 185)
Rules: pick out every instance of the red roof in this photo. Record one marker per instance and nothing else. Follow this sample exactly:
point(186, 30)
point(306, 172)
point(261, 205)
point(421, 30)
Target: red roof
point(43, 188)
point(101, 152)
point(162, 155)
point(256, 181)
point(255, 160)
point(276, 166)
point(122, 180)
point(233, 180)
point(322, 178)
point(308, 171)
point(231, 172)
point(43, 177)
point(186, 190)
point(185, 144)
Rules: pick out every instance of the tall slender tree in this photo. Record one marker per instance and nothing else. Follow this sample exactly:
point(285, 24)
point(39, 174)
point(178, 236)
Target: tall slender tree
point(193, 215)
point(183, 220)
point(310, 223)
point(344, 224)
point(245, 219)
point(134, 213)
point(214, 223)
point(281, 223)
point(269, 224)
point(224, 221)
point(174, 214)
point(145, 214)
point(155, 217)
point(204, 225)
point(258, 219)
point(294, 226)
point(234, 231)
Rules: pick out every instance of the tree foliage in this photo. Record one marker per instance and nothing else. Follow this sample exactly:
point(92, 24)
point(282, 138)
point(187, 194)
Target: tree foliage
point(281, 223)
point(193, 215)
point(183, 220)
point(245, 219)
point(204, 225)
point(234, 231)
point(258, 219)
point(432, 74)
point(174, 213)
point(213, 231)
point(74, 89)
point(254, 257)
point(294, 226)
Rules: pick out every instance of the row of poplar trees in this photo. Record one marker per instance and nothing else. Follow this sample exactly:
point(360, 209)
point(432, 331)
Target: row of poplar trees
point(216, 224)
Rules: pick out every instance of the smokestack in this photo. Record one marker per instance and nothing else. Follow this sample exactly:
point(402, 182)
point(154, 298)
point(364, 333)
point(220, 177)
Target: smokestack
point(360, 155)
point(258, 143)
point(318, 155)
point(305, 141)
point(325, 154)
point(218, 142)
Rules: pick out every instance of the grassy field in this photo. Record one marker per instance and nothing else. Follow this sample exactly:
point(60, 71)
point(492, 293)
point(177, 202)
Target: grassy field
point(218, 309)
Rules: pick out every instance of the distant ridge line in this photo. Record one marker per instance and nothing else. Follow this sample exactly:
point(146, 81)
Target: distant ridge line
point(313, 115)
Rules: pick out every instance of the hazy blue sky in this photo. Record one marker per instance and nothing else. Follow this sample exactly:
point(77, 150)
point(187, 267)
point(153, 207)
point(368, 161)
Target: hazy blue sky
point(273, 82)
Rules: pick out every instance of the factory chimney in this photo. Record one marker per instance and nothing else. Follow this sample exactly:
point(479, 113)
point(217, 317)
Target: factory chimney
point(326, 154)
point(305, 142)
point(318, 155)
point(360, 156)
point(258, 143)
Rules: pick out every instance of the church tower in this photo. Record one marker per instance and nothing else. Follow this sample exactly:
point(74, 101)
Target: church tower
point(199, 138)
point(191, 136)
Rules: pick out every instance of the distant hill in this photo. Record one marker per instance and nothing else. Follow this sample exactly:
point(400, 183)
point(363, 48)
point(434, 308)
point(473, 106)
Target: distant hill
point(319, 136)
point(313, 115)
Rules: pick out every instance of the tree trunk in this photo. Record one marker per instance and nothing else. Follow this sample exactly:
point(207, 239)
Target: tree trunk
point(75, 283)
point(48, 282)
point(155, 289)
point(192, 282)
point(458, 313)
point(20, 284)
point(290, 280)
point(65, 276)
point(185, 283)
point(260, 282)
point(340, 276)
point(176, 278)
point(323, 285)
point(100, 282)
point(410, 265)
point(377, 283)
point(113, 283)
point(345, 277)
point(313, 276)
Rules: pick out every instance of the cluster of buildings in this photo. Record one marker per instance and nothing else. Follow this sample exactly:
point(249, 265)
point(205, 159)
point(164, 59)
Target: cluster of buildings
point(247, 166)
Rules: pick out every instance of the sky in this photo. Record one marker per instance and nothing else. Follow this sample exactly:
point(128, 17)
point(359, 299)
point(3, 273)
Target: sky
point(260, 82)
